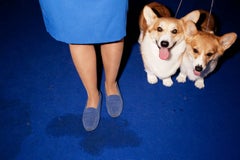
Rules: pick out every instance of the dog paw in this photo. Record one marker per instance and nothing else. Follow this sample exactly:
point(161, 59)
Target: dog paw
point(199, 84)
point(167, 82)
point(152, 79)
point(181, 78)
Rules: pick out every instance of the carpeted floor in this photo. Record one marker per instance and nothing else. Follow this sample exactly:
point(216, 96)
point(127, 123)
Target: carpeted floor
point(42, 98)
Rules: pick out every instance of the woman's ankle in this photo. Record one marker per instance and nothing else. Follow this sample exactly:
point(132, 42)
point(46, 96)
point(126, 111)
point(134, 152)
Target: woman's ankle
point(93, 100)
point(111, 88)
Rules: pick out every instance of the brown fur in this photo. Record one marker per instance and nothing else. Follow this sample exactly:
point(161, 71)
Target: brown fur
point(204, 36)
point(206, 22)
point(159, 9)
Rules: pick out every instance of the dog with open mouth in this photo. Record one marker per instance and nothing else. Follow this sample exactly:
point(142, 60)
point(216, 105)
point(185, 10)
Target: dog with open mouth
point(204, 48)
point(162, 42)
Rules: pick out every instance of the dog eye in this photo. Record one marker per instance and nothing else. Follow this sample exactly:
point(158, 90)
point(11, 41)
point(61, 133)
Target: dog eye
point(159, 29)
point(174, 31)
point(195, 50)
point(209, 54)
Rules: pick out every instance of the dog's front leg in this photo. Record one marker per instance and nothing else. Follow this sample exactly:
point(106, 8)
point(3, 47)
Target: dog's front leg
point(167, 82)
point(181, 78)
point(151, 78)
point(199, 83)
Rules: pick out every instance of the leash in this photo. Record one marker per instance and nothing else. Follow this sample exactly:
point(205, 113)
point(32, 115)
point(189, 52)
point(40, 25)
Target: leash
point(210, 12)
point(179, 5)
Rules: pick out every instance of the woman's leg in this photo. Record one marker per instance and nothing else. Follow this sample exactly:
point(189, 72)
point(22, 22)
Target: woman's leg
point(84, 59)
point(111, 56)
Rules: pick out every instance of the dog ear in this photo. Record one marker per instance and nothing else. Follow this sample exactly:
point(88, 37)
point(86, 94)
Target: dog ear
point(192, 16)
point(149, 15)
point(227, 40)
point(190, 28)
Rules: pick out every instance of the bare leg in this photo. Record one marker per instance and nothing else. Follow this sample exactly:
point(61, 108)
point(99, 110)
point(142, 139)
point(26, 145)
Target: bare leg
point(84, 59)
point(111, 55)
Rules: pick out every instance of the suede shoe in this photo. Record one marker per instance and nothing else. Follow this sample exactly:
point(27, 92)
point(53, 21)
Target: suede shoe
point(91, 116)
point(114, 104)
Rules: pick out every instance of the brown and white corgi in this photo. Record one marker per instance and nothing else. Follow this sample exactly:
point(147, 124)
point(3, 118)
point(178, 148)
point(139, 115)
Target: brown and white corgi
point(162, 42)
point(203, 50)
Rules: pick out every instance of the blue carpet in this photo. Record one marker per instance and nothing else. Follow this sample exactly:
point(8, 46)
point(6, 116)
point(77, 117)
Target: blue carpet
point(42, 98)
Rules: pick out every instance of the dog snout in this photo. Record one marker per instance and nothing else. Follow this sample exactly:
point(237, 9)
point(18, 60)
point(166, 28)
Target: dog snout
point(164, 43)
point(199, 68)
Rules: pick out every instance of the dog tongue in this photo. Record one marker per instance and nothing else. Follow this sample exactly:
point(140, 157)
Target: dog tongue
point(196, 72)
point(164, 53)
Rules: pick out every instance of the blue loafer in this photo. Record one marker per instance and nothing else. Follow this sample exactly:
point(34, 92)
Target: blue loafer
point(91, 116)
point(114, 104)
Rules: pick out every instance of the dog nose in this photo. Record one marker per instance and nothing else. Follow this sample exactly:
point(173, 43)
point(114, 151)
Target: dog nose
point(199, 68)
point(164, 43)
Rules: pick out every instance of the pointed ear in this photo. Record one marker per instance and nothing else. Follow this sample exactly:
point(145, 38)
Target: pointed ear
point(227, 40)
point(190, 28)
point(149, 15)
point(192, 16)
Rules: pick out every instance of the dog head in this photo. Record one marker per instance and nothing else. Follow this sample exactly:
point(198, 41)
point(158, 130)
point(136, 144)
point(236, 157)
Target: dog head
point(204, 47)
point(166, 32)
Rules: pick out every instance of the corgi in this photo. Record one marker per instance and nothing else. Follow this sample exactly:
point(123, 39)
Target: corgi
point(204, 48)
point(162, 43)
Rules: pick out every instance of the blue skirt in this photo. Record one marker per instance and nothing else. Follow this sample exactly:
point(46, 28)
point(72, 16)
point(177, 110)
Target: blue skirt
point(85, 21)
